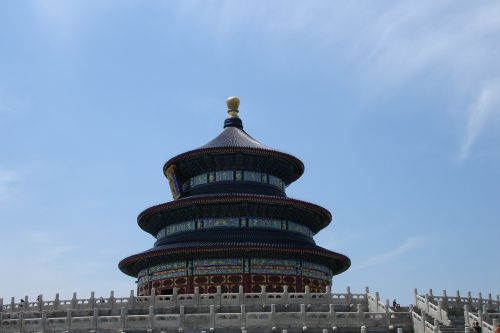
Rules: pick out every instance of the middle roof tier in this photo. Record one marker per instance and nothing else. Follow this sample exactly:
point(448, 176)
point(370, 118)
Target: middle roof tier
point(314, 217)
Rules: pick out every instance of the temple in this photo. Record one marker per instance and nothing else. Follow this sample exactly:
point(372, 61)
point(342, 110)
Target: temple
point(234, 254)
point(230, 223)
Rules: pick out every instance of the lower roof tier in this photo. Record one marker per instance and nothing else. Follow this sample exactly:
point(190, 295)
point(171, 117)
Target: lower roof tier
point(132, 265)
point(153, 219)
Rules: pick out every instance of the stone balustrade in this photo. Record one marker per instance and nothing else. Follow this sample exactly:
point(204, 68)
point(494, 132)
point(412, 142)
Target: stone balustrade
point(487, 321)
point(224, 312)
point(271, 320)
point(422, 326)
point(375, 305)
point(219, 299)
point(435, 311)
point(458, 301)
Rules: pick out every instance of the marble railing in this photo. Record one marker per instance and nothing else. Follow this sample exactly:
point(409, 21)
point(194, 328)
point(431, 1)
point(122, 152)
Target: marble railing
point(375, 305)
point(422, 326)
point(458, 301)
point(435, 311)
point(196, 299)
point(487, 321)
point(211, 320)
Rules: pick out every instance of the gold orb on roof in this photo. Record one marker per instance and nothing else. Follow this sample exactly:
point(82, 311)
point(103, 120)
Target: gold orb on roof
point(232, 106)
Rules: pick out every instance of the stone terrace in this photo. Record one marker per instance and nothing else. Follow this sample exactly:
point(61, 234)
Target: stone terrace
point(221, 312)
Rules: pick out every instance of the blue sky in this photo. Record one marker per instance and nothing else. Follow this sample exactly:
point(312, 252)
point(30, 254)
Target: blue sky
point(393, 106)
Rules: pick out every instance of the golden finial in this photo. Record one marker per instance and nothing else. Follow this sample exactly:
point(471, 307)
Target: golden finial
point(232, 106)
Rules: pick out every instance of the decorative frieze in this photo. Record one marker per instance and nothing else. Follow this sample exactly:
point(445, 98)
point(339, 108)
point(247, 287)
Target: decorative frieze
point(233, 175)
point(234, 222)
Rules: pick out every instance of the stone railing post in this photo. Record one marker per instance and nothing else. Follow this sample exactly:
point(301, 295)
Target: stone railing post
point(349, 295)
point(431, 295)
point(74, 301)
point(218, 297)
point(131, 299)
point(445, 299)
point(498, 304)
point(112, 299)
point(92, 300)
point(467, 329)
point(212, 317)
point(307, 296)
point(495, 323)
point(480, 316)
point(387, 313)
point(332, 315)
point(286, 299)
point(263, 296)
point(466, 315)
point(152, 297)
point(68, 320)
point(175, 297)
point(123, 318)
point(243, 318)
point(377, 299)
point(95, 318)
point(427, 303)
point(40, 302)
point(359, 311)
point(440, 310)
point(241, 295)
point(480, 306)
point(12, 304)
point(436, 325)
point(196, 296)
point(459, 299)
point(182, 318)
point(44, 321)
point(273, 315)
point(26, 301)
point(1, 305)
point(303, 314)
point(151, 317)
point(57, 302)
point(415, 294)
point(469, 296)
point(20, 319)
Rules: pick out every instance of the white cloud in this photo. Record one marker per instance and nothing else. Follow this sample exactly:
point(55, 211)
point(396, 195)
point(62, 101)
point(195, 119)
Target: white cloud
point(487, 103)
point(407, 246)
point(52, 244)
point(7, 181)
point(60, 16)
point(386, 46)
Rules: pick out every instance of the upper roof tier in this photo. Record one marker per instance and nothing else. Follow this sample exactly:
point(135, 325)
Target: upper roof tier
point(233, 149)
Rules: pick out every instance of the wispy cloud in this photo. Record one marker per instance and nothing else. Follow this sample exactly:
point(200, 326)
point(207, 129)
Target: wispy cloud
point(53, 246)
point(386, 46)
point(60, 17)
point(407, 246)
point(487, 103)
point(7, 180)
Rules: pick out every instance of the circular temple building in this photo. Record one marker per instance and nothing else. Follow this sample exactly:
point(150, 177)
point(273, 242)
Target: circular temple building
point(231, 224)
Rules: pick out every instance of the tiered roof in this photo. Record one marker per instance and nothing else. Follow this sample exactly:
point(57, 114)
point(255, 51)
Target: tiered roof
point(233, 149)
